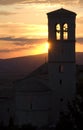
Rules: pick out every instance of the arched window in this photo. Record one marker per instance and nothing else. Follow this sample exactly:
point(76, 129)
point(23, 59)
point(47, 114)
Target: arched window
point(65, 31)
point(58, 32)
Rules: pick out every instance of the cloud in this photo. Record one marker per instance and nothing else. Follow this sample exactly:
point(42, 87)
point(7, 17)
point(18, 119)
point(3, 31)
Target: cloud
point(80, 40)
point(6, 13)
point(20, 44)
point(8, 2)
point(29, 42)
point(13, 39)
point(22, 41)
point(12, 50)
point(23, 30)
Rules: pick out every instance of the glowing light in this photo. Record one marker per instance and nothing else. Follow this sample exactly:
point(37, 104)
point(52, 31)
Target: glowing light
point(42, 48)
point(47, 45)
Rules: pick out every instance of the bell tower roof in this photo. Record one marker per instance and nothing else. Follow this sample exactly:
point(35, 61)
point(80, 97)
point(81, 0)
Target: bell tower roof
point(61, 11)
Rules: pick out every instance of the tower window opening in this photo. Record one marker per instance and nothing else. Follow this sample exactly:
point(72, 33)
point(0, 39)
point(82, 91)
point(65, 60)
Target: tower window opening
point(31, 106)
point(61, 99)
point(65, 31)
point(60, 82)
point(61, 69)
point(62, 50)
point(58, 32)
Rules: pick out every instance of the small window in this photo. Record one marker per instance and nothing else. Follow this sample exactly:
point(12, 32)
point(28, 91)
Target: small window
point(58, 32)
point(60, 81)
point(8, 109)
point(61, 69)
point(61, 99)
point(62, 50)
point(31, 106)
point(65, 31)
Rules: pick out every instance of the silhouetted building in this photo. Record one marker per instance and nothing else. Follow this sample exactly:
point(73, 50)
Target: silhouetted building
point(61, 59)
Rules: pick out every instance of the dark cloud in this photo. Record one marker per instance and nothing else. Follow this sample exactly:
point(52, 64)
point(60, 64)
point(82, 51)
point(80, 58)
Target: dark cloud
point(6, 2)
point(6, 13)
point(22, 41)
point(20, 44)
point(29, 42)
point(13, 39)
point(80, 40)
point(12, 50)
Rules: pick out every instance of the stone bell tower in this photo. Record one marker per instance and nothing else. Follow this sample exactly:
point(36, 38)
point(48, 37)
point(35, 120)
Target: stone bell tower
point(61, 59)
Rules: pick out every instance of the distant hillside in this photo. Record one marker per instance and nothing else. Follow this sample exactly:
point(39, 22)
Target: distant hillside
point(15, 68)
point(79, 58)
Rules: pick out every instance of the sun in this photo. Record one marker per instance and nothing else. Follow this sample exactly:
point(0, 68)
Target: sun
point(47, 45)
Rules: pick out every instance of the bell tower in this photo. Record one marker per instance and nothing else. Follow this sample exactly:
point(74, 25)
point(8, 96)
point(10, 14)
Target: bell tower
point(61, 59)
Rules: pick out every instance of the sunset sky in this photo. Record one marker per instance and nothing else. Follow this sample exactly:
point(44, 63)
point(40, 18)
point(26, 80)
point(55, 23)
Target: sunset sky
point(24, 25)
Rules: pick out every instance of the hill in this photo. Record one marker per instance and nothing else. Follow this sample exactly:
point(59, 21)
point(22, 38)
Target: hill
point(15, 68)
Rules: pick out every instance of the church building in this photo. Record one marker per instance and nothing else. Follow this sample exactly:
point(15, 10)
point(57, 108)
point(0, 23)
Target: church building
point(40, 97)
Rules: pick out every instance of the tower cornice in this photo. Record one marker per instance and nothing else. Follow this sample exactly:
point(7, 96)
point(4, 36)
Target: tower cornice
point(62, 11)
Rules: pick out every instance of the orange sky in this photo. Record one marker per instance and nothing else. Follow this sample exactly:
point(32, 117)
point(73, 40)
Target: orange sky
point(24, 29)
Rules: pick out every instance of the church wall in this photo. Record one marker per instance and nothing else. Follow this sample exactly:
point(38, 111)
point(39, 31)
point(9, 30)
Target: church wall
point(6, 110)
point(32, 107)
